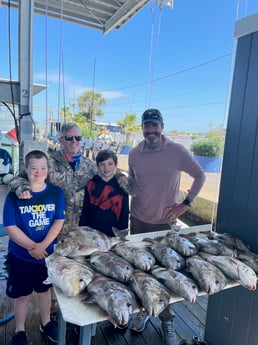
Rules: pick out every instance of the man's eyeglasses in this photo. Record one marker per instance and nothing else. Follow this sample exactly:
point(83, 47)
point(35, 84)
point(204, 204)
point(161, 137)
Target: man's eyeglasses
point(71, 137)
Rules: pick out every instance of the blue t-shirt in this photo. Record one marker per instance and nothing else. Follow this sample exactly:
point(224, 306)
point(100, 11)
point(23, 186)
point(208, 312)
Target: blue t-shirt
point(34, 217)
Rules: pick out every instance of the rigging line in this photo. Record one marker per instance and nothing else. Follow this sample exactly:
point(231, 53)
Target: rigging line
point(46, 65)
point(150, 57)
point(246, 5)
point(60, 58)
point(155, 55)
point(173, 108)
point(150, 75)
point(175, 73)
point(230, 78)
point(63, 86)
point(10, 73)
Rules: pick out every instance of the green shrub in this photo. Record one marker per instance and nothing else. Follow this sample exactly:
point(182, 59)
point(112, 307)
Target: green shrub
point(211, 147)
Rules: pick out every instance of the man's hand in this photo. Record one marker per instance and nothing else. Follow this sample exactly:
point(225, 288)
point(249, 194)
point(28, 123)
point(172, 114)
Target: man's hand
point(174, 212)
point(122, 179)
point(25, 195)
point(128, 184)
point(21, 187)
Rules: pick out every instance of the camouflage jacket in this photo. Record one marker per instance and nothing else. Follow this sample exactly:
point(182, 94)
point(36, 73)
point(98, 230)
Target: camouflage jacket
point(72, 183)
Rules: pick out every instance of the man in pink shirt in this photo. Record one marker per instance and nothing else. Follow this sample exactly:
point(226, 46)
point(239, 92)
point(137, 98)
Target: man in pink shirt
point(156, 165)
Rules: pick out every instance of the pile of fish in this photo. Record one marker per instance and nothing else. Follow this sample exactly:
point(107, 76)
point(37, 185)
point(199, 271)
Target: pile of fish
point(123, 277)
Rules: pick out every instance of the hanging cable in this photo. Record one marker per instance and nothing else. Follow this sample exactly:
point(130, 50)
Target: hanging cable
point(64, 100)
point(246, 5)
point(150, 58)
point(230, 77)
point(152, 61)
point(187, 69)
point(60, 61)
point(12, 111)
point(46, 66)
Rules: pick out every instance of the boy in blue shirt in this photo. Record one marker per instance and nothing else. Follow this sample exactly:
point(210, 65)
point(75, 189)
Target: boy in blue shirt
point(32, 226)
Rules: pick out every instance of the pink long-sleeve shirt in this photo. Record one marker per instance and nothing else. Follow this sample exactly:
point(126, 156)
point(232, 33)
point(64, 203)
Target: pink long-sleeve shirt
point(157, 174)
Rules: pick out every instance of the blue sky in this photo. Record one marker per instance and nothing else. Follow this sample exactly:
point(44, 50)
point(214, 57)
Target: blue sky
point(179, 60)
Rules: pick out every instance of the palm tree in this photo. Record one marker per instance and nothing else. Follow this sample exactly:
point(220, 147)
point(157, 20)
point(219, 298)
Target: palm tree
point(128, 124)
point(90, 104)
point(65, 114)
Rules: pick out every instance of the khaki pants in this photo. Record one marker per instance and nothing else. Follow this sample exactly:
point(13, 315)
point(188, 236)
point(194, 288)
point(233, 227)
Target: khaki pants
point(139, 227)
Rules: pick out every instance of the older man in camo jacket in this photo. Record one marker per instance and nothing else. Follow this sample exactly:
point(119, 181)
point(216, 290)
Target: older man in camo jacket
point(69, 170)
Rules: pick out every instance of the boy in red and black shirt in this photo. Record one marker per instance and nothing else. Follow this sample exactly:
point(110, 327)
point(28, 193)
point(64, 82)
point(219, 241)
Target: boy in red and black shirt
point(106, 204)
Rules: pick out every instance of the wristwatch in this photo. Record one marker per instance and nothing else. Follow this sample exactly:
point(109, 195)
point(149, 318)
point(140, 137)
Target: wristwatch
point(187, 202)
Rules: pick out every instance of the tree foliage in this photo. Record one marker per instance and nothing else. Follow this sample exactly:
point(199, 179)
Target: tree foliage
point(129, 125)
point(65, 113)
point(90, 104)
point(212, 146)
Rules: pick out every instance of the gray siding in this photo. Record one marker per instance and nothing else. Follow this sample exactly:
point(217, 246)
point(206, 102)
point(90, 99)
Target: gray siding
point(232, 315)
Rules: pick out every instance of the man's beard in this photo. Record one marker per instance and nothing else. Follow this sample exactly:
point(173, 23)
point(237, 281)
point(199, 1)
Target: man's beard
point(152, 141)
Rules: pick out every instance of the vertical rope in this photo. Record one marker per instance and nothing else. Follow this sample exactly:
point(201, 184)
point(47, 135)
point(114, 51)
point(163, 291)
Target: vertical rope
point(46, 65)
point(150, 60)
point(230, 77)
point(152, 57)
point(246, 5)
point(155, 55)
point(60, 60)
point(13, 110)
point(63, 86)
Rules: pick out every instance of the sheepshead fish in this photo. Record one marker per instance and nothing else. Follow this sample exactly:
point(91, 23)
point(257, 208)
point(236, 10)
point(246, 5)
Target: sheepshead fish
point(250, 259)
point(84, 240)
point(181, 244)
point(213, 246)
point(230, 241)
point(67, 274)
point(177, 282)
point(209, 278)
point(235, 269)
point(115, 298)
point(167, 256)
point(153, 295)
point(138, 257)
point(112, 265)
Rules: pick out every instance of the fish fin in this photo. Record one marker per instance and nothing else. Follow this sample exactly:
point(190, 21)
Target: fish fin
point(88, 299)
point(147, 239)
point(120, 233)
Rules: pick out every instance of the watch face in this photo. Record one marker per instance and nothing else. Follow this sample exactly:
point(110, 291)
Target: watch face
point(186, 202)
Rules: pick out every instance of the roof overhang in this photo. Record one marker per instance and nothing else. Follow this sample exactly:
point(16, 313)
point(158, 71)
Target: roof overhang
point(10, 91)
point(103, 15)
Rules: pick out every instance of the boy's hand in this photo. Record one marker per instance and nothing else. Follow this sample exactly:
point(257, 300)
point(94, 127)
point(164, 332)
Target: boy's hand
point(38, 251)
